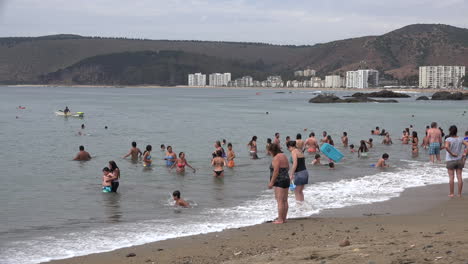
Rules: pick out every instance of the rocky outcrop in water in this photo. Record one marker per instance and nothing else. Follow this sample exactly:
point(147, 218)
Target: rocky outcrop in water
point(450, 96)
point(331, 98)
point(382, 94)
point(422, 98)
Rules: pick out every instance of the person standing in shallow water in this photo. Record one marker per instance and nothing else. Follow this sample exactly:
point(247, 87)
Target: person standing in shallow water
point(311, 144)
point(455, 147)
point(230, 156)
point(134, 152)
point(434, 136)
point(279, 179)
point(114, 169)
point(253, 147)
point(147, 156)
point(298, 172)
point(218, 163)
point(299, 142)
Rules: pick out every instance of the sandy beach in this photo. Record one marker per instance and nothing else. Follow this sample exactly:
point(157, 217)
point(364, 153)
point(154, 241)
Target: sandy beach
point(421, 226)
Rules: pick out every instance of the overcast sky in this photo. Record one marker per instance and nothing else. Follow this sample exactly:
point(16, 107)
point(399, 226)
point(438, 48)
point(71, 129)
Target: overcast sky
point(270, 21)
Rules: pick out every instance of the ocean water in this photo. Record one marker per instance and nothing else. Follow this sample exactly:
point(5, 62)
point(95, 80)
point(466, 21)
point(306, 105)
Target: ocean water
point(52, 207)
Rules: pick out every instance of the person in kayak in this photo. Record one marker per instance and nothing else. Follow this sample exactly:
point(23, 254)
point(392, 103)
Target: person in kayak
point(66, 111)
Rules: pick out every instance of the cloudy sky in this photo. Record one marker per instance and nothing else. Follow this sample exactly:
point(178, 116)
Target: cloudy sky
point(270, 21)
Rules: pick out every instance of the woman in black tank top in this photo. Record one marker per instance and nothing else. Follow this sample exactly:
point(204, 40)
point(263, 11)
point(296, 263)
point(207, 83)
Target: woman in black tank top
point(298, 172)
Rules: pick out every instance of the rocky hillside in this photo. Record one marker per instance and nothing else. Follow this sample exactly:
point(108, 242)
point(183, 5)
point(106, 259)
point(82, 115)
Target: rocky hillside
point(69, 58)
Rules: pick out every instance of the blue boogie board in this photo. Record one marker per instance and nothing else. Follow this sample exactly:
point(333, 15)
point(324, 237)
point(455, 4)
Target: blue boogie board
point(331, 152)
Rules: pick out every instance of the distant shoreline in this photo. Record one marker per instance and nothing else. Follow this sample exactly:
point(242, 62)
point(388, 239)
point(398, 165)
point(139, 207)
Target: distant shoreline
point(240, 88)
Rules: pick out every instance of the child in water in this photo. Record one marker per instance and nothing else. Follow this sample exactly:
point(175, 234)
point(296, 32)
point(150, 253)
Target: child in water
point(230, 156)
point(316, 161)
point(179, 201)
point(331, 165)
point(351, 148)
point(370, 142)
point(381, 163)
point(106, 180)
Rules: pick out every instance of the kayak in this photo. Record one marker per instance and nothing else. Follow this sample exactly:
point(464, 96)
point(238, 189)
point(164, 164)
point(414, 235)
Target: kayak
point(72, 114)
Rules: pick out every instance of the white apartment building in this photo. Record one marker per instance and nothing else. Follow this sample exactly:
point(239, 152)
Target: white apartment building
point(362, 79)
point(440, 76)
point(333, 81)
point(197, 79)
point(219, 79)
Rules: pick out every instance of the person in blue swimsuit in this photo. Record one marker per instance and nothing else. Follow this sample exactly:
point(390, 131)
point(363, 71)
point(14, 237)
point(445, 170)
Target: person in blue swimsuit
point(147, 156)
point(170, 157)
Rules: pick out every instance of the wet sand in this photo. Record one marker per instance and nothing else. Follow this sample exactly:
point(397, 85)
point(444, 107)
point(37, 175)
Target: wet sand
point(421, 226)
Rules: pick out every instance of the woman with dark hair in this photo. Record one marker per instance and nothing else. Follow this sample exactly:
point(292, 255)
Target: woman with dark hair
point(218, 162)
point(170, 157)
point(362, 151)
point(253, 147)
point(455, 147)
point(147, 156)
point(268, 144)
point(330, 140)
point(279, 179)
point(415, 142)
point(298, 172)
point(181, 162)
point(114, 169)
point(299, 142)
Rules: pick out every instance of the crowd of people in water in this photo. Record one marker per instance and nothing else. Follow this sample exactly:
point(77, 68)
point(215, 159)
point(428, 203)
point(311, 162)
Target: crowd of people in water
point(291, 174)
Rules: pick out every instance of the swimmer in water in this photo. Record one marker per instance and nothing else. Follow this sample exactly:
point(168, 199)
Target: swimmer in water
point(377, 131)
point(362, 151)
point(268, 144)
point(253, 147)
point(288, 138)
point(224, 142)
point(311, 144)
point(181, 162)
point(230, 156)
point(316, 161)
point(82, 155)
point(147, 156)
point(330, 140)
point(370, 142)
point(425, 141)
point(277, 139)
point(415, 142)
point(381, 163)
point(344, 139)
point(179, 201)
point(351, 148)
point(331, 165)
point(218, 163)
point(134, 152)
point(299, 142)
point(387, 139)
point(217, 146)
point(170, 157)
point(163, 148)
point(325, 138)
point(106, 180)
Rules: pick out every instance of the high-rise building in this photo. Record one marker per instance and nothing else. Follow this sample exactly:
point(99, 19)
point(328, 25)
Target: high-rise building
point(333, 81)
point(197, 79)
point(362, 79)
point(440, 76)
point(219, 79)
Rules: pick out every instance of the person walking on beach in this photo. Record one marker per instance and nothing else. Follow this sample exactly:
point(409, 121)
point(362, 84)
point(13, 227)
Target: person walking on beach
point(181, 162)
point(279, 179)
point(114, 169)
point(455, 151)
point(298, 173)
point(147, 156)
point(134, 152)
point(82, 155)
point(434, 136)
point(253, 147)
point(311, 144)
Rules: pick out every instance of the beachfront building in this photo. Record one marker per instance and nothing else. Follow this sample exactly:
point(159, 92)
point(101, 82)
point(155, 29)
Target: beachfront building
point(197, 79)
point(441, 76)
point(362, 79)
point(245, 81)
point(333, 81)
point(219, 79)
point(306, 73)
point(273, 81)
